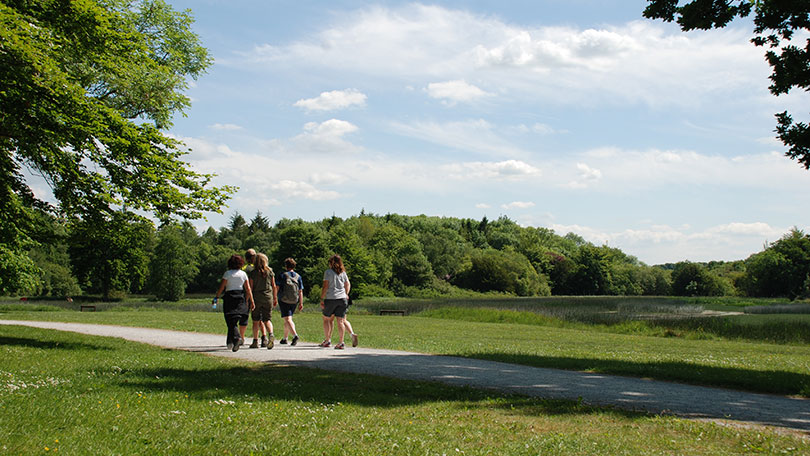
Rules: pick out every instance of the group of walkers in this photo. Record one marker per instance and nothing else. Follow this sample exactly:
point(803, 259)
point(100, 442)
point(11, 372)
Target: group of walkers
point(249, 286)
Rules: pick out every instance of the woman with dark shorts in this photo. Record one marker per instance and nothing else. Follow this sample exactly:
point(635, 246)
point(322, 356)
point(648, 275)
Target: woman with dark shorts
point(334, 301)
point(263, 285)
point(236, 286)
point(290, 297)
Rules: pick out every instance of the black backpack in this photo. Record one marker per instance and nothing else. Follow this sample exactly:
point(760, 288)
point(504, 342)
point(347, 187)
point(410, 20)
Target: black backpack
point(290, 290)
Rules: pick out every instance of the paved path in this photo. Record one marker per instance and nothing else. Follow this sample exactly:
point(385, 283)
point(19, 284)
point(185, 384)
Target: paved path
point(602, 390)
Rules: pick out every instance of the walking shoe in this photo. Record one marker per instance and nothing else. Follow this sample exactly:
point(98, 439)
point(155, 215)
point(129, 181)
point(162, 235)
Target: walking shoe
point(255, 344)
point(264, 341)
point(229, 345)
point(241, 341)
point(340, 346)
point(236, 345)
point(283, 341)
point(354, 340)
point(325, 344)
point(294, 340)
point(270, 340)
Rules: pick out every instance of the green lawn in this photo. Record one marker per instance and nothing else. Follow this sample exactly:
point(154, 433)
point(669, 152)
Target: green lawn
point(754, 366)
point(65, 393)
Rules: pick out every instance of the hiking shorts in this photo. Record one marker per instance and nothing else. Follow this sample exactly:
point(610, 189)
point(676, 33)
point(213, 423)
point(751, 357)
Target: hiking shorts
point(286, 310)
point(336, 307)
point(262, 311)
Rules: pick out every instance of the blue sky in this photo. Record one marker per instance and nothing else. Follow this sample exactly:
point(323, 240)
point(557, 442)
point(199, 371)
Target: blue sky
point(574, 115)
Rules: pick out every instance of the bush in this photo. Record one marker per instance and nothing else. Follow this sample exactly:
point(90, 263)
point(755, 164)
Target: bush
point(372, 291)
point(507, 272)
point(693, 279)
point(57, 281)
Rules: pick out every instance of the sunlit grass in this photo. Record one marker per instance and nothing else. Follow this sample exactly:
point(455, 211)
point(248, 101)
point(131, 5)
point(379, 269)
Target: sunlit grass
point(63, 393)
point(753, 366)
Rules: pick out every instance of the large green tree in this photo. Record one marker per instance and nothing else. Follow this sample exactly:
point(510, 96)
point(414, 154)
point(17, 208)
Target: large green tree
point(782, 269)
point(775, 24)
point(86, 89)
point(110, 256)
point(694, 279)
point(173, 264)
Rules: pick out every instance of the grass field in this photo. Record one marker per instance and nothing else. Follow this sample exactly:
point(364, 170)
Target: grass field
point(527, 338)
point(65, 393)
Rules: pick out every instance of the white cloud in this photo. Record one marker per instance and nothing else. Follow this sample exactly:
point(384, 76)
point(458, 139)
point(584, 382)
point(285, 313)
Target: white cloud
point(661, 243)
point(330, 101)
point(545, 129)
point(455, 91)
point(305, 190)
point(508, 169)
point(759, 229)
point(330, 128)
point(586, 177)
point(328, 178)
point(641, 61)
point(518, 205)
point(482, 206)
point(558, 47)
point(477, 136)
point(325, 137)
point(624, 170)
point(226, 127)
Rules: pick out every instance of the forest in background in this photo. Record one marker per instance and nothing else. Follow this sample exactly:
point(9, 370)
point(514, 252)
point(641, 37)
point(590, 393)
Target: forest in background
point(387, 255)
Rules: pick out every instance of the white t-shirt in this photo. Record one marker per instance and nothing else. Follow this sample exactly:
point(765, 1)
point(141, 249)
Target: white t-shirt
point(337, 284)
point(236, 279)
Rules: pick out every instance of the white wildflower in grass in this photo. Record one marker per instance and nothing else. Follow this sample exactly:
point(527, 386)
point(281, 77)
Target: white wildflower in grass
point(223, 402)
point(11, 384)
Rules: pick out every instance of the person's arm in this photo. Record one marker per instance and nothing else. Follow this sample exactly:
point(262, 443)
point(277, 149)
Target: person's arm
point(300, 293)
point(275, 290)
point(347, 286)
point(249, 293)
point(221, 288)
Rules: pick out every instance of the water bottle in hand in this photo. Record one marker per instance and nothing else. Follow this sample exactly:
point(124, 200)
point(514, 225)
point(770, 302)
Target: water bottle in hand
point(214, 304)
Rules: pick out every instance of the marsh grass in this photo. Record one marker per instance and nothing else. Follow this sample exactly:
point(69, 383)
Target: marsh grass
point(797, 308)
point(64, 393)
point(693, 318)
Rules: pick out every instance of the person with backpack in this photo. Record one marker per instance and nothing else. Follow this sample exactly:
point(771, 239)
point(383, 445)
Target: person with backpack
point(335, 302)
point(290, 296)
point(263, 284)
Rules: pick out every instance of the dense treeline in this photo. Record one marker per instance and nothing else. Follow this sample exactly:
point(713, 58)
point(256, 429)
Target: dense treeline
point(389, 255)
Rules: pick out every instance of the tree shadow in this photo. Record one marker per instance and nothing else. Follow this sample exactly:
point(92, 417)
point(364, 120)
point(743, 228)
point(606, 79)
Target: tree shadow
point(270, 383)
point(757, 381)
point(48, 344)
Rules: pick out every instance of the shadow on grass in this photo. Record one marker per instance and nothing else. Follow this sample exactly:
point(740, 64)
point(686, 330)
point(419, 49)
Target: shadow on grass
point(291, 383)
point(48, 344)
point(771, 381)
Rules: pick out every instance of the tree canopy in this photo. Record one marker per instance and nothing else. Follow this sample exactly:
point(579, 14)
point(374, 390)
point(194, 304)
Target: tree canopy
point(86, 88)
point(775, 24)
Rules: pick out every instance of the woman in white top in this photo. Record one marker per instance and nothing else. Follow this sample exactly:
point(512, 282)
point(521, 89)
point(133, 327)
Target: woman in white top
point(235, 301)
point(334, 301)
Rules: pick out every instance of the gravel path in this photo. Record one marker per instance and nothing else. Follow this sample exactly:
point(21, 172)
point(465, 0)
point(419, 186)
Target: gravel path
point(602, 390)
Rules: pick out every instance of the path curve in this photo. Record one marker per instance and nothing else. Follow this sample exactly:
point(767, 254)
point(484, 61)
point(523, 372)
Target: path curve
point(595, 389)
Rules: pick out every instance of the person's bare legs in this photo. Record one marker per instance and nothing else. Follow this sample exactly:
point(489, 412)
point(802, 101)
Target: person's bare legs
point(267, 328)
point(348, 325)
point(327, 329)
point(349, 328)
point(341, 327)
point(289, 327)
